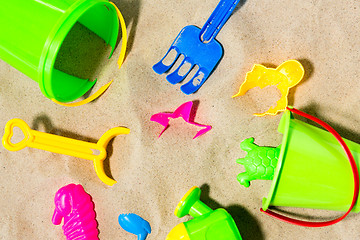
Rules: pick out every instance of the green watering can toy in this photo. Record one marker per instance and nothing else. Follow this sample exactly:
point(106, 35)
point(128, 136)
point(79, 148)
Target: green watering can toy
point(207, 224)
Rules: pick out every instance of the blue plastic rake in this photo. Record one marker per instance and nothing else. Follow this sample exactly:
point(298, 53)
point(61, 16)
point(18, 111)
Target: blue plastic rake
point(199, 47)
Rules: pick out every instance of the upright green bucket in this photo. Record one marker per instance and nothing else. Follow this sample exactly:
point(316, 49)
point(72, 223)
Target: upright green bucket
point(313, 170)
point(33, 31)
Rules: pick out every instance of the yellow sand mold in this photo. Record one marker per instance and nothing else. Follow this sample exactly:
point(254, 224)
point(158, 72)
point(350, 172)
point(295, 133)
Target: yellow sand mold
point(284, 77)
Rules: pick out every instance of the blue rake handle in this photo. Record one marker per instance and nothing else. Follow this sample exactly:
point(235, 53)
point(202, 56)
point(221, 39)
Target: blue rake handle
point(217, 19)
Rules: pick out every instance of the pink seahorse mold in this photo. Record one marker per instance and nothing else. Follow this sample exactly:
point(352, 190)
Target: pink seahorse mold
point(76, 207)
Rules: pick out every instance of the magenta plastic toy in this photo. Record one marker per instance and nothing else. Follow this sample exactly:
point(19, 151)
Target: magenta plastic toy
point(183, 111)
point(76, 207)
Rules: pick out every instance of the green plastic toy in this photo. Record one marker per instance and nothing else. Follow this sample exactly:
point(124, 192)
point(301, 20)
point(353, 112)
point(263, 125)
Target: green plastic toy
point(259, 163)
point(207, 224)
point(315, 169)
point(33, 32)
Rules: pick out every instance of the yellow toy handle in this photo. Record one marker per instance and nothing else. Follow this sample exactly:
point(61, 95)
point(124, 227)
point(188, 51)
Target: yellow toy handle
point(9, 134)
point(124, 36)
point(87, 100)
point(58, 144)
point(103, 142)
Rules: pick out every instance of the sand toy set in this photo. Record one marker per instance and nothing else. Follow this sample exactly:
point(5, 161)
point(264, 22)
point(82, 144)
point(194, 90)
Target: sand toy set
point(312, 167)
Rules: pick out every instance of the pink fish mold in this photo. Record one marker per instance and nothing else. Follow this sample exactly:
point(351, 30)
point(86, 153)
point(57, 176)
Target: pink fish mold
point(75, 206)
point(186, 112)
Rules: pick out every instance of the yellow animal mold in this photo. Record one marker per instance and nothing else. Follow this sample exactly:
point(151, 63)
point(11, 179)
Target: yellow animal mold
point(284, 77)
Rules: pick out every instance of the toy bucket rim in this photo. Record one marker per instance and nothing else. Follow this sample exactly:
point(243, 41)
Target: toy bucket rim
point(266, 201)
point(56, 38)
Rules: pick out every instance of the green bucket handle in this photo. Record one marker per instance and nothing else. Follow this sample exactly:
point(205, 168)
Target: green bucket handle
point(353, 167)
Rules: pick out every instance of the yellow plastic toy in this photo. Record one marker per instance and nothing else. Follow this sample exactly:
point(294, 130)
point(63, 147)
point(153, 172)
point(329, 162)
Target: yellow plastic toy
point(68, 146)
point(284, 77)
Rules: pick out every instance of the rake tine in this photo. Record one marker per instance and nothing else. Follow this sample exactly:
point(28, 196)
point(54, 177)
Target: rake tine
point(175, 77)
point(196, 82)
point(160, 67)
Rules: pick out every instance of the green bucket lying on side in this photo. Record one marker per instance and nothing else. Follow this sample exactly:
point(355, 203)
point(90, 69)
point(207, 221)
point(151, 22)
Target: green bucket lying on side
point(312, 170)
point(32, 34)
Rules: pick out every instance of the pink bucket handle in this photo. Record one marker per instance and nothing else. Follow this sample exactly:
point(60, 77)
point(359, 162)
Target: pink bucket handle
point(353, 167)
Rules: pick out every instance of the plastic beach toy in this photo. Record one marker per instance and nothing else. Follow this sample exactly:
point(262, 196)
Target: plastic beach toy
point(199, 47)
point(312, 170)
point(207, 224)
point(183, 111)
point(135, 224)
point(260, 162)
point(284, 77)
point(57, 144)
point(35, 31)
point(75, 206)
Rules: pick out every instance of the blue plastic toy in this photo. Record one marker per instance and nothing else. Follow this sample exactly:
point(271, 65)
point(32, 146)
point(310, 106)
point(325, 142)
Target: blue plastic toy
point(135, 224)
point(199, 47)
